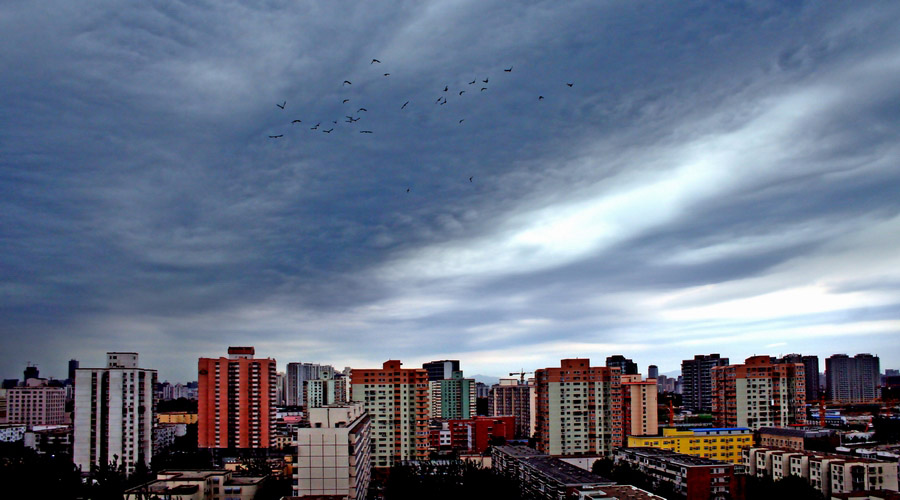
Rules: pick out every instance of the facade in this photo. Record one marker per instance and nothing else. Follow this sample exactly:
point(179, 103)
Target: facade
point(396, 400)
point(579, 409)
point(759, 393)
point(694, 477)
point(114, 413)
point(236, 407)
point(473, 435)
point(36, 405)
point(697, 380)
point(716, 444)
point(10, 433)
point(652, 371)
point(333, 454)
point(798, 439)
point(543, 477)
point(453, 397)
point(810, 372)
point(298, 377)
point(50, 439)
point(639, 406)
point(852, 380)
point(326, 390)
point(197, 485)
point(830, 474)
point(510, 397)
point(176, 417)
point(439, 370)
point(626, 365)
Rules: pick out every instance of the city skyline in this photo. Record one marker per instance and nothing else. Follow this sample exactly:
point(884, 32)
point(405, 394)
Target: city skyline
point(716, 179)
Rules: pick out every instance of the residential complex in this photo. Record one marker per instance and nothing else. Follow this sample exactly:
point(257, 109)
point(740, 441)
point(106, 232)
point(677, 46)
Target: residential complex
point(36, 404)
point(511, 397)
point(798, 439)
point(852, 380)
point(298, 377)
point(114, 413)
point(694, 477)
point(396, 400)
point(697, 388)
point(197, 485)
point(333, 454)
point(439, 370)
point(452, 397)
point(810, 372)
point(473, 435)
point(328, 389)
point(759, 393)
point(236, 406)
point(639, 402)
point(713, 443)
point(625, 365)
point(579, 409)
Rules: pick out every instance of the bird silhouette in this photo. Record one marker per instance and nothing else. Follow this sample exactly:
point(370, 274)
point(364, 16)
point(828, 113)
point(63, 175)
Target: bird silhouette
point(316, 127)
point(485, 80)
point(328, 131)
point(362, 109)
point(483, 89)
point(407, 190)
point(445, 101)
point(334, 121)
point(387, 74)
point(345, 101)
point(570, 84)
point(375, 61)
point(470, 179)
point(540, 98)
point(461, 92)
point(282, 105)
point(446, 87)
point(508, 70)
point(473, 81)
point(297, 121)
point(347, 82)
point(438, 100)
point(365, 131)
point(404, 104)
point(462, 120)
point(275, 136)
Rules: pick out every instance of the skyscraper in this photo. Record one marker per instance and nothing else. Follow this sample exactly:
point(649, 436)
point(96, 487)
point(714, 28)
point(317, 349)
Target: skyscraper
point(396, 400)
point(73, 365)
point(579, 409)
point(453, 397)
point(698, 388)
point(811, 373)
point(852, 379)
point(114, 413)
point(652, 371)
point(298, 377)
point(440, 370)
point(626, 365)
point(329, 389)
point(236, 406)
point(510, 398)
point(759, 393)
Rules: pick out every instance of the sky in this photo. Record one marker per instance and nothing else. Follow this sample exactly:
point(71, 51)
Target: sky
point(719, 177)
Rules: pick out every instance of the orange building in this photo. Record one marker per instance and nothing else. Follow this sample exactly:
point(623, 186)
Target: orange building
point(397, 402)
point(759, 393)
point(236, 404)
point(639, 401)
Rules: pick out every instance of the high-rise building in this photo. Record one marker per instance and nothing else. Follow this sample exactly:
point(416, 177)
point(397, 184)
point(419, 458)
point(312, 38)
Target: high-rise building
point(852, 379)
point(298, 377)
point(333, 454)
point(626, 365)
point(236, 400)
point(73, 365)
point(512, 398)
point(329, 389)
point(36, 404)
point(114, 413)
point(453, 397)
point(440, 370)
point(697, 388)
point(759, 393)
point(280, 389)
point(31, 371)
point(639, 402)
point(652, 371)
point(396, 400)
point(810, 372)
point(579, 409)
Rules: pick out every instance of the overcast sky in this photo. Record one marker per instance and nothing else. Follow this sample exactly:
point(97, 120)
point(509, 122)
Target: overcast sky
point(720, 177)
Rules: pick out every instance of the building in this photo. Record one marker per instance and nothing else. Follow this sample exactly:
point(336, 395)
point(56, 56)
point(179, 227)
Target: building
point(326, 390)
point(236, 407)
point(697, 376)
point(164, 436)
point(36, 405)
point(176, 417)
point(114, 413)
point(396, 400)
point(579, 409)
point(333, 454)
point(473, 435)
point(511, 397)
point(830, 474)
point(810, 372)
point(716, 444)
point(652, 371)
point(10, 433)
point(852, 380)
point(639, 406)
point(453, 397)
point(49, 439)
point(280, 389)
point(73, 365)
point(696, 478)
point(439, 370)
point(545, 477)
point(298, 377)
point(3, 406)
point(759, 393)
point(626, 365)
point(197, 485)
point(799, 439)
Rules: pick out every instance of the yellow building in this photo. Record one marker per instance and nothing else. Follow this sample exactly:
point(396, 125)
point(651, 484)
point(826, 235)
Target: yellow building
point(176, 417)
point(723, 444)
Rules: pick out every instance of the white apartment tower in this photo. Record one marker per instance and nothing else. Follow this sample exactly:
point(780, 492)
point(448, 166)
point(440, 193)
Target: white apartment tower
point(114, 413)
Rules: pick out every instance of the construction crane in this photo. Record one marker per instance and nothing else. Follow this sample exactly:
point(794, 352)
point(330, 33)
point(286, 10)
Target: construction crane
point(521, 373)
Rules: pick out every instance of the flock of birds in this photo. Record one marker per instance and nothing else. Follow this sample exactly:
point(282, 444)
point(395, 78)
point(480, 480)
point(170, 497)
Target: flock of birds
point(350, 119)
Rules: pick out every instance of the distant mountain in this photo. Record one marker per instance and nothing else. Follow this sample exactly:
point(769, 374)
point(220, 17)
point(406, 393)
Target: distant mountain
point(486, 379)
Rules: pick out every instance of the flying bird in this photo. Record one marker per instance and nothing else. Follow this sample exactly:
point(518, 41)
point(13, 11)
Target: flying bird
point(470, 179)
point(462, 120)
point(461, 92)
point(316, 127)
point(328, 131)
point(445, 101)
point(365, 131)
point(334, 121)
point(282, 105)
point(407, 190)
point(345, 101)
point(275, 136)
point(446, 87)
point(485, 80)
point(387, 74)
point(375, 61)
point(438, 100)
point(404, 104)
point(508, 70)
point(297, 121)
point(540, 98)
point(483, 89)
point(347, 82)
point(362, 109)
point(570, 84)
point(473, 81)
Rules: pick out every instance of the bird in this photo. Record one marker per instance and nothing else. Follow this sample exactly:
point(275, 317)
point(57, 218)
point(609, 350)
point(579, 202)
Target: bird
point(347, 82)
point(540, 98)
point(407, 190)
point(462, 120)
point(473, 81)
point(334, 121)
point(508, 70)
point(328, 131)
point(387, 74)
point(446, 88)
point(362, 109)
point(365, 131)
point(438, 100)
point(570, 84)
point(445, 101)
point(470, 179)
point(485, 80)
point(282, 105)
point(316, 127)
point(375, 61)
point(461, 92)
point(404, 104)
point(275, 136)
point(297, 121)
point(345, 101)
point(483, 89)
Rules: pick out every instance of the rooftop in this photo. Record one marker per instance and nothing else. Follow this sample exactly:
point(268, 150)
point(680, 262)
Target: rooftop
point(675, 458)
point(790, 432)
point(563, 472)
point(519, 451)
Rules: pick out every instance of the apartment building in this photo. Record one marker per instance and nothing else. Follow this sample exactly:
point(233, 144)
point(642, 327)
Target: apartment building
point(810, 372)
point(236, 406)
point(639, 402)
point(473, 435)
point(396, 400)
point(198, 485)
point(759, 393)
point(543, 477)
point(328, 389)
point(697, 388)
point(513, 398)
point(792, 438)
point(696, 478)
point(851, 380)
point(453, 397)
point(714, 443)
point(579, 409)
point(298, 377)
point(36, 404)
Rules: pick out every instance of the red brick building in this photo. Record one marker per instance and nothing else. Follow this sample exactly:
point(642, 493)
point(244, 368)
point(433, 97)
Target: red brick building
point(236, 407)
point(472, 435)
point(759, 393)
